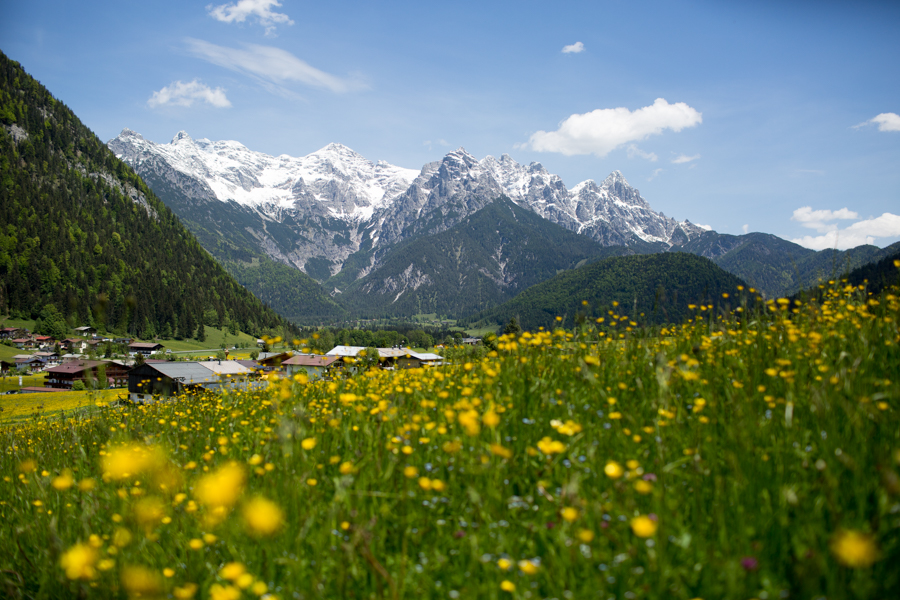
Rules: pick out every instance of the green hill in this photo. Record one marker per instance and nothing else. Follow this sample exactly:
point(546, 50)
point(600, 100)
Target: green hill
point(776, 266)
point(82, 235)
point(661, 286)
point(487, 258)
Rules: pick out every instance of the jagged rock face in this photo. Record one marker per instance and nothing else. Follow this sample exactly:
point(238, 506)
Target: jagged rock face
point(316, 211)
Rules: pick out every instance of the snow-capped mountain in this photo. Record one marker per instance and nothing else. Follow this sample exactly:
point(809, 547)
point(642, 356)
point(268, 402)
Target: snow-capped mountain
point(316, 211)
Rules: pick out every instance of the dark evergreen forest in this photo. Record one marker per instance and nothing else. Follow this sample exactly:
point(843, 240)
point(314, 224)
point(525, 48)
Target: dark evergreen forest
point(81, 233)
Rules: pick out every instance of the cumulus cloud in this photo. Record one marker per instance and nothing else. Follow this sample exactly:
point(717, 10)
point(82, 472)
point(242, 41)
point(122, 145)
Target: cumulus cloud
point(681, 159)
point(745, 228)
point(270, 65)
point(861, 232)
point(819, 219)
point(605, 129)
point(240, 11)
point(885, 122)
point(179, 93)
point(573, 48)
point(635, 152)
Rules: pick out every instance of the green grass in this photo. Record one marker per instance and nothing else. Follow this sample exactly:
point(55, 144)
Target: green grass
point(11, 382)
point(745, 455)
point(7, 352)
point(214, 339)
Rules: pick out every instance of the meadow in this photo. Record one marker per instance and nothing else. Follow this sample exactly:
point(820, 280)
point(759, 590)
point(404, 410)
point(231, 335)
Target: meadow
point(752, 453)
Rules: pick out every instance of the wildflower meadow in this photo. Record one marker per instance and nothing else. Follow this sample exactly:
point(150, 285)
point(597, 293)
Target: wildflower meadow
point(751, 452)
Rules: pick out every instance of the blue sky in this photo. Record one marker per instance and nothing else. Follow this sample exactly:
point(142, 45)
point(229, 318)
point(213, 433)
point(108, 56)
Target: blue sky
point(738, 115)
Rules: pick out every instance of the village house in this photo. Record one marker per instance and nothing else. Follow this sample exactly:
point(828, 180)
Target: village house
point(12, 332)
point(390, 358)
point(29, 362)
point(314, 366)
point(84, 330)
point(150, 381)
point(65, 375)
point(23, 343)
point(74, 345)
point(145, 348)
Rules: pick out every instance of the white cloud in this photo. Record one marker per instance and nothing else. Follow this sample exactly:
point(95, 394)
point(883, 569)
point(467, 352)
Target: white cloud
point(681, 159)
point(818, 219)
point(856, 234)
point(706, 227)
point(240, 11)
point(270, 65)
point(635, 152)
point(179, 93)
point(745, 228)
point(654, 174)
point(573, 48)
point(885, 122)
point(605, 129)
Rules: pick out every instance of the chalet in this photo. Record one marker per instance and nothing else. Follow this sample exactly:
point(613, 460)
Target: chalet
point(44, 340)
point(415, 360)
point(74, 345)
point(470, 341)
point(23, 343)
point(145, 348)
point(8, 333)
point(85, 330)
point(148, 382)
point(272, 360)
point(30, 363)
point(6, 367)
point(390, 358)
point(50, 358)
point(65, 375)
point(312, 365)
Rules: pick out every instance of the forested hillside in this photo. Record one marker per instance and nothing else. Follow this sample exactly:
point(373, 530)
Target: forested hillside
point(80, 231)
point(652, 288)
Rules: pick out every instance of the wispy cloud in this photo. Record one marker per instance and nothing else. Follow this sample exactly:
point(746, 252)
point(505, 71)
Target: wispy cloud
point(865, 231)
point(654, 174)
point(681, 159)
point(573, 48)
point(605, 129)
point(884, 121)
point(270, 65)
point(635, 152)
point(440, 142)
point(179, 93)
point(240, 11)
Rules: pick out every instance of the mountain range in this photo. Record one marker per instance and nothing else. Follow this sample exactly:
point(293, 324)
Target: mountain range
point(362, 229)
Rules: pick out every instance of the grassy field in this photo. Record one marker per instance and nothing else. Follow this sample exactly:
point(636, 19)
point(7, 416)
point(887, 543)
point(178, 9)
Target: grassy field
point(20, 408)
point(11, 382)
point(749, 454)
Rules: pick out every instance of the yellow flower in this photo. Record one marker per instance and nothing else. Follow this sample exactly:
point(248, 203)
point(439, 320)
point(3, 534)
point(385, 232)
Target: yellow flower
point(195, 544)
point(613, 470)
point(425, 483)
point(167, 572)
point(245, 581)
point(550, 446)
point(209, 538)
point(504, 563)
point(232, 571)
point(643, 526)
point(149, 511)
point(221, 488)
point(28, 466)
point(259, 588)
point(140, 582)
point(347, 468)
point(500, 451)
point(569, 514)
point(643, 487)
point(129, 460)
point(507, 586)
point(308, 443)
point(529, 567)
point(491, 419)
point(224, 592)
point(854, 549)
point(313, 482)
point(586, 535)
point(78, 562)
point(410, 472)
point(262, 517)
point(64, 481)
point(86, 485)
point(438, 485)
point(185, 592)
